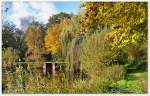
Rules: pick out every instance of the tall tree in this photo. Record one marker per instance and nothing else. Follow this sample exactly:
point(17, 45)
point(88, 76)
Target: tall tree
point(52, 42)
point(8, 39)
point(34, 39)
point(127, 20)
point(19, 37)
point(68, 34)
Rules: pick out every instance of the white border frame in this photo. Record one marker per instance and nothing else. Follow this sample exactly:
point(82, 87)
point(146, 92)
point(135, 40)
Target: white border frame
point(77, 1)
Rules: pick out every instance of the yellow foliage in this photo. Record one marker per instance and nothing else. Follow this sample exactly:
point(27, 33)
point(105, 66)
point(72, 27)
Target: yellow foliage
point(52, 42)
point(126, 20)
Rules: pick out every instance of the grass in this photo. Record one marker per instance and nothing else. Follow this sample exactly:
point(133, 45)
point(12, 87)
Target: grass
point(135, 76)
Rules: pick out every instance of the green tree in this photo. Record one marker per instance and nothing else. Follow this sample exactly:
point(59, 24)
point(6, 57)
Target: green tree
point(8, 39)
point(21, 46)
point(56, 19)
point(13, 37)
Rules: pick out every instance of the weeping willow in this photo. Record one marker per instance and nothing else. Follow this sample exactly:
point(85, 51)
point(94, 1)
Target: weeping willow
point(70, 40)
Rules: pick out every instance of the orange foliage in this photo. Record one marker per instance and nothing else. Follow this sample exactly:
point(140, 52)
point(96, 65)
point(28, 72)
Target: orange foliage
point(52, 39)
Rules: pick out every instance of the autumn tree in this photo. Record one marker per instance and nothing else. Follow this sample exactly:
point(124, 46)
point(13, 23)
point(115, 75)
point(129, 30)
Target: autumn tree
point(52, 42)
point(127, 20)
point(34, 39)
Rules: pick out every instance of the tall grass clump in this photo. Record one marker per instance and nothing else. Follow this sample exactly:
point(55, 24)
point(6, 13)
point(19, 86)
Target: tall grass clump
point(98, 59)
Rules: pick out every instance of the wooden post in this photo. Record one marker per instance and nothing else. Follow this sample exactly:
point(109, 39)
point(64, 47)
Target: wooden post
point(53, 70)
point(44, 69)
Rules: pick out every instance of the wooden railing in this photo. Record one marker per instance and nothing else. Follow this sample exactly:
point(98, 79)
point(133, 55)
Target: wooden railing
point(58, 62)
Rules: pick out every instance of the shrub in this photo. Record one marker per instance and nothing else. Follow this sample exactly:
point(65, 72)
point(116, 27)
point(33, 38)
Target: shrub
point(132, 86)
point(9, 57)
point(137, 57)
point(99, 85)
point(82, 86)
point(13, 82)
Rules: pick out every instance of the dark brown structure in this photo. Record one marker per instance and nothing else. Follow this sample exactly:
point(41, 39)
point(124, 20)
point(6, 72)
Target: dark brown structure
point(51, 68)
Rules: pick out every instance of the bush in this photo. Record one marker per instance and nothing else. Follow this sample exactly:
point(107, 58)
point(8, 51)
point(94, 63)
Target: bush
point(132, 86)
point(113, 73)
point(137, 57)
point(9, 57)
point(99, 85)
point(82, 86)
point(13, 82)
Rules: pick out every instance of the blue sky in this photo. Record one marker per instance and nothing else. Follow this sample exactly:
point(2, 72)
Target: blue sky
point(68, 7)
point(39, 10)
